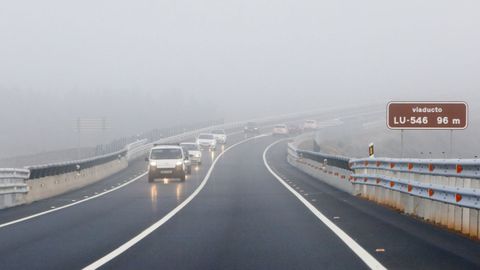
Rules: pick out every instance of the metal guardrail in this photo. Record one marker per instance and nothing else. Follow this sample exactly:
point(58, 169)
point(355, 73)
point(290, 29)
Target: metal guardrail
point(155, 136)
point(11, 173)
point(12, 181)
point(403, 175)
point(466, 197)
point(464, 168)
point(381, 172)
point(445, 192)
point(40, 171)
point(341, 162)
point(331, 160)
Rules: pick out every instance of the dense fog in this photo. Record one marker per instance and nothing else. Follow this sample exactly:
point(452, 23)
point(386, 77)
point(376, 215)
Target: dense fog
point(147, 64)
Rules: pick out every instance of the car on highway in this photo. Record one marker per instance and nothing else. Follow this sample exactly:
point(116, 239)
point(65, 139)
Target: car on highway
point(188, 163)
point(220, 136)
point(167, 161)
point(280, 129)
point(251, 128)
point(207, 141)
point(310, 125)
point(193, 151)
point(294, 129)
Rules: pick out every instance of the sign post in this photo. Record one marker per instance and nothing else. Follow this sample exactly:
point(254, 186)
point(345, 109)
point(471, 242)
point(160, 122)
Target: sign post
point(93, 124)
point(427, 115)
point(401, 143)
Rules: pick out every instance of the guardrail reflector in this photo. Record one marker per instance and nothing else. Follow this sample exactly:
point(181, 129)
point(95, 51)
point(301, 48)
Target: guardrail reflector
point(392, 165)
point(431, 167)
point(430, 192)
point(458, 197)
point(366, 163)
point(378, 163)
point(392, 184)
point(410, 166)
point(378, 180)
point(365, 179)
point(459, 168)
point(409, 188)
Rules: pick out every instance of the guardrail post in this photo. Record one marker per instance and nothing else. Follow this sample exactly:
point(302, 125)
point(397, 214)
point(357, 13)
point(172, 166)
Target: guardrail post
point(466, 211)
point(474, 213)
point(451, 208)
point(458, 210)
point(444, 206)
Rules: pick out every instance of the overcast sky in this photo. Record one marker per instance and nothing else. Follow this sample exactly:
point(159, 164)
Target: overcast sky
point(142, 62)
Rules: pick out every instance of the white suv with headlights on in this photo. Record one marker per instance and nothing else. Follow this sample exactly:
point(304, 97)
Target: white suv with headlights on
point(194, 153)
point(207, 141)
point(310, 125)
point(167, 161)
point(220, 136)
point(281, 129)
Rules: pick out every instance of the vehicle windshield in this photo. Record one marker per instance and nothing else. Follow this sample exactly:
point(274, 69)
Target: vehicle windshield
point(206, 137)
point(189, 146)
point(218, 131)
point(166, 153)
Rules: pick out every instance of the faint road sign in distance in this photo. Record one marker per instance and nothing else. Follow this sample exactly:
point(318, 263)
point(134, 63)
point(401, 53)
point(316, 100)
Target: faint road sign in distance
point(427, 115)
point(91, 124)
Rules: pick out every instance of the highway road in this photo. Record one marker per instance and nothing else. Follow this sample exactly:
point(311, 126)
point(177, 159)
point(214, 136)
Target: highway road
point(236, 214)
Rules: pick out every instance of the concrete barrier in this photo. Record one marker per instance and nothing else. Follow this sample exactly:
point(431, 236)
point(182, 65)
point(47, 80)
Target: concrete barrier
point(333, 176)
point(50, 186)
point(453, 202)
point(443, 192)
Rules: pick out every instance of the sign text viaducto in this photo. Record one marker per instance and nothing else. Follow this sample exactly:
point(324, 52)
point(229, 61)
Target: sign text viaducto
point(427, 115)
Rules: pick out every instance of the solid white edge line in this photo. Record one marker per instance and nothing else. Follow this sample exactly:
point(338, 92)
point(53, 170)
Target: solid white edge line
point(71, 204)
point(118, 251)
point(81, 201)
point(368, 259)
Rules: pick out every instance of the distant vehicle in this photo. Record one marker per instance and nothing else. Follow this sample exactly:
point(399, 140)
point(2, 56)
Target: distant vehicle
point(188, 163)
point(251, 128)
point(167, 161)
point(193, 151)
point(207, 141)
point(294, 129)
point(280, 129)
point(220, 136)
point(310, 125)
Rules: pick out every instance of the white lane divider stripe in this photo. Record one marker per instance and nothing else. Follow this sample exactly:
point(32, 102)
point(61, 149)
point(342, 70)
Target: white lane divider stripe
point(118, 251)
point(71, 204)
point(368, 259)
point(74, 202)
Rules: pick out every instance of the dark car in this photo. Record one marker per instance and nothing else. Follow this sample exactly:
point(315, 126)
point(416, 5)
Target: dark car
point(251, 128)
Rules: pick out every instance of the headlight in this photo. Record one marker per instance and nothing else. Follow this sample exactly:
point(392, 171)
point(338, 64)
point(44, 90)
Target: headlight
point(153, 163)
point(179, 163)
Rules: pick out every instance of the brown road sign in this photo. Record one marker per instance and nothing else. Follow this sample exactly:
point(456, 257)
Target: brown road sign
point(427, 115)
